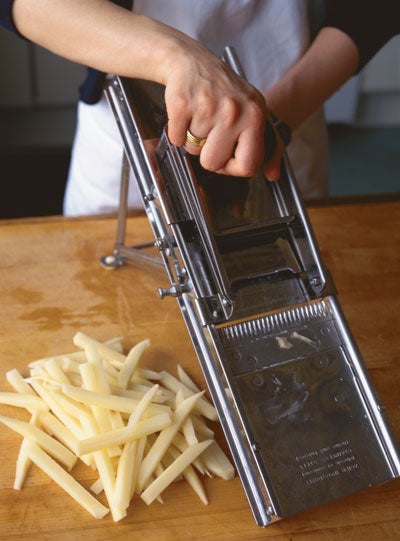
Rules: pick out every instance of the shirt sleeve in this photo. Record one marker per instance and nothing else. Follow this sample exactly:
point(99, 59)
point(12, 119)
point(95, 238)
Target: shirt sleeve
point(6, 19)
point(370, 24)
point(91, 89)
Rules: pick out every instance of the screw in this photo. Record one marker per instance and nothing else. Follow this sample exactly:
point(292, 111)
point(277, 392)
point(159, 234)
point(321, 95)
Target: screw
point(159, 244)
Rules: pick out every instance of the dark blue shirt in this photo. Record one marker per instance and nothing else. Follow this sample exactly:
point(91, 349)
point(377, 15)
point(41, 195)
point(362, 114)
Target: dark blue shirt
point(5, 15)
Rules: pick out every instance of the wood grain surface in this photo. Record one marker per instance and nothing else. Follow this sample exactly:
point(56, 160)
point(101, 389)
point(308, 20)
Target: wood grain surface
point(51, 286)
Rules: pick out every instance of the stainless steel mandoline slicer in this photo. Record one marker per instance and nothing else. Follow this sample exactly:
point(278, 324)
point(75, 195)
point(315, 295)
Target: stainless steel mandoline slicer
point(298, 409)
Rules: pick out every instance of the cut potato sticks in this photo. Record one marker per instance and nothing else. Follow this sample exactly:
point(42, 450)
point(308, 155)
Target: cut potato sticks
point(173, 384)
point(191, 476)
point(123, 435)
point(130, 364)
point(46, 442)
point(176, 468)
point(137, 429)
point(165, 438)
point(112, 402)
point(217, 463)
point(66, 481)
point(26, 401)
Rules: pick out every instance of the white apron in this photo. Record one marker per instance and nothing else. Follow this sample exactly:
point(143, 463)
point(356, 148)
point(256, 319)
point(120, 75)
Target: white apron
point(268, 36)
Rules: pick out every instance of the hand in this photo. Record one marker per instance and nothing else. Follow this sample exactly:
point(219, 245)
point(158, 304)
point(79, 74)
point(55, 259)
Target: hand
point(205, 96)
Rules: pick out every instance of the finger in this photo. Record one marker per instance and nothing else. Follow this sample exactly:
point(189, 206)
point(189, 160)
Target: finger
point(194, 143)
point(218, 149)
point(272, 170)
point(182, 116)
point(272, 167)
point(247, 157)
point(177, 127)
point(179, 116)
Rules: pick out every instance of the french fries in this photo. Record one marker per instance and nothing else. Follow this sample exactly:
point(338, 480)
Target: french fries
point(139, 430)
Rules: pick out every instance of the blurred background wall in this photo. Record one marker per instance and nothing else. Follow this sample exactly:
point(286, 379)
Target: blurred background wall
point(364, 128)
point(38, 95)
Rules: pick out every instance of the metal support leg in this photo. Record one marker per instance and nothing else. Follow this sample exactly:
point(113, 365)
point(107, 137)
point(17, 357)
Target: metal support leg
point(122, 252)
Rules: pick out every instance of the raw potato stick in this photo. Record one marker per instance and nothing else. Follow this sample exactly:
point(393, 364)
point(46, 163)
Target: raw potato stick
point(96, 378)
point(105, 470)
point(112, 402)
point(23, 462)
point(201, 428)
point(191, 477)
point(15, 379)
point(159, 397)
point(165, 438)
point(97, 487)
point(58, 429)
point(187, 380)
point(66, 481)
point(142, 406)
point(22, 466)
point(123, 435)
point(131, 362)
point(107, 476)
point(69, 421)
point(124, 477)
point(35, 434)
point(20, 400)
point(146, 374)
point(203, 406)
point(187, 425)
point(101, 415)
point(217, 462)
point(176, 468)
point(114, 357)
point(79, 356)
point(180, 443)
point(141, 445)
point(55, 372)
point(73, 408)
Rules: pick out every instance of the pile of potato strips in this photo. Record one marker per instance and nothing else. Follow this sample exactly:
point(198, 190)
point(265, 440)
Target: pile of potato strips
point(139, 430)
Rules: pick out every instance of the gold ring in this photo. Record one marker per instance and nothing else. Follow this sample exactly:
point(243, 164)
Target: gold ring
point(196, 141)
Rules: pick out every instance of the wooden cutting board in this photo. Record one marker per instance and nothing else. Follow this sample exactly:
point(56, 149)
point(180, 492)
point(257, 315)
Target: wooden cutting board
point(51, 286)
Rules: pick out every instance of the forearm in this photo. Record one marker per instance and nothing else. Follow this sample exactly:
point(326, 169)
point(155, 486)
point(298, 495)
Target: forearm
point(99, 34)
point(329, 62)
